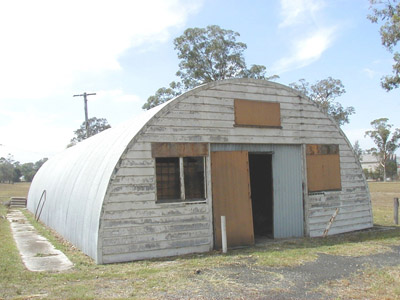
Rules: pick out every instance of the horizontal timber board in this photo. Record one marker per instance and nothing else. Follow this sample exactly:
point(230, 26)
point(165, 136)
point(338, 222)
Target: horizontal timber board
point(199, 115)
point(259, 93)
point(151, 229)
point(115, 223)
point(215, 108)
point(112, 258)
point(138, 154)
point(123, 180)
point(133, 188)
point(139, 163)
point(254, 88)
point(134, 171)
point(156, 212)
point(156, 245)
point(342, 223)
point(329, 211)
point(156, 137)
point(341, 216)
point(341, 229)
point(241, 131)
point(155, 237)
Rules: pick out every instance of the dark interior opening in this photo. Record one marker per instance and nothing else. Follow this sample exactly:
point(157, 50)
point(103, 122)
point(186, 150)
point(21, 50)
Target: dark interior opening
point(261, 194)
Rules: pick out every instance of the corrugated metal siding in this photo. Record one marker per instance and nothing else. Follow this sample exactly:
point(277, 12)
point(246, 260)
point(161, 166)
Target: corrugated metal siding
point(287, 185)
point(288, 194)
point(76, 181)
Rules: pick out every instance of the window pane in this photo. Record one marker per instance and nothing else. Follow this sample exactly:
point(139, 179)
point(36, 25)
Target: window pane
point(168, 182)
point(194, 177)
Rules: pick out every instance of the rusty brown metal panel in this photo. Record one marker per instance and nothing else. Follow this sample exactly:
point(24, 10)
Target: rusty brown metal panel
point(231, 197)
point(323, 172)
point(179, 149)
point(257, 113)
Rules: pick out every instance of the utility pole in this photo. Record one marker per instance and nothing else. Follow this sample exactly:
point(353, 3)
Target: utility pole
point(84, 95)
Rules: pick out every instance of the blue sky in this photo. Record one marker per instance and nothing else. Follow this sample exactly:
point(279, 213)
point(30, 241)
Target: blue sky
point(123, 51)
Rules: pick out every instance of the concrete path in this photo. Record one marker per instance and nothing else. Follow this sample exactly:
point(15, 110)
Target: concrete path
point(37, 253)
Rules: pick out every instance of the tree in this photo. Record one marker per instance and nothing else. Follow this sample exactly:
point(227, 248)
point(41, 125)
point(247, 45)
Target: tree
point(357, 150)
point(386, 142)
point(388, 12)
point(391, 169)
point(323, 93)
point(95, 126)
point(6, 169)
point(9, 169)
point(28, 171)
point(207, 54)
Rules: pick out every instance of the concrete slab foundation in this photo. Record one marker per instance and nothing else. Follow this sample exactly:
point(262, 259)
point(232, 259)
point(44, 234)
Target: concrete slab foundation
point(37, 253)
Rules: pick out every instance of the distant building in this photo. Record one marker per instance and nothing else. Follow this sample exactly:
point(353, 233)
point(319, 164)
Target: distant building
point(371, 162)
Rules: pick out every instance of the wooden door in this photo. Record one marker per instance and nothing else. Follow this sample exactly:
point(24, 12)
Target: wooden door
point(231, 197)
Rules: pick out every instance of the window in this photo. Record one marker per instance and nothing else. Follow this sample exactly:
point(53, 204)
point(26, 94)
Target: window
point(194, 177)
point(323, 168)
point(168, 182)
point(180, 178)
point(257, 113)
point(180, 171)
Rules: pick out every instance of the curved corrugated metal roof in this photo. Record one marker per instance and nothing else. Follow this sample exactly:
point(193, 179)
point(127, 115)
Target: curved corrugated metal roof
point(76, 182)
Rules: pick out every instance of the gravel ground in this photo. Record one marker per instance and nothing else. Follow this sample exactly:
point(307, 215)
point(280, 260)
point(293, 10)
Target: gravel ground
point(248, 281)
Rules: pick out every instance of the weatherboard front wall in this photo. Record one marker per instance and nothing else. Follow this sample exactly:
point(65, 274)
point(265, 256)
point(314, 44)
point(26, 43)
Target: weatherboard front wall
point(102, 193)
point(135, 226)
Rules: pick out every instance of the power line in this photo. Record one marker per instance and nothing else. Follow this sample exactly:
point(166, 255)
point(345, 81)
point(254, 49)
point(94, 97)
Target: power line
point(84, 95)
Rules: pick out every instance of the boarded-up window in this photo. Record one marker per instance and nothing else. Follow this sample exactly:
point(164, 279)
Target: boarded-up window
point(168, 182)
point(194, 177)
point(257, 113)
point(323, 168)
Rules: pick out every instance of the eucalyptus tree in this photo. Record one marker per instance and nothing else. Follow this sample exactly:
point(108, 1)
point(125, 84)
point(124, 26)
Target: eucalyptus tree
point(387, 12)
point(386, 141)
point(207, 54)
point(324, 93)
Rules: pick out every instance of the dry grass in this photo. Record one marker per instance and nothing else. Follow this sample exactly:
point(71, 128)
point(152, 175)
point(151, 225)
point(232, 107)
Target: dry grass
point(382, 194)
point(372, 283)
point(19, 189)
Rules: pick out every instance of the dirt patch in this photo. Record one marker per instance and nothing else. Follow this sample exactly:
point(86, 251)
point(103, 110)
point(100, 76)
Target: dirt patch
point(246, 280)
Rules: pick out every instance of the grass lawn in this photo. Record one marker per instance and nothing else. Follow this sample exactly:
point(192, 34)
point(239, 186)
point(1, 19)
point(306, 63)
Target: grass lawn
point(19, 189)
point(382, 194)
point(194, 276)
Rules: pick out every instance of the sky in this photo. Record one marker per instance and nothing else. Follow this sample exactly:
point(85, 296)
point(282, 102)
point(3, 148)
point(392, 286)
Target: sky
point(123, 51)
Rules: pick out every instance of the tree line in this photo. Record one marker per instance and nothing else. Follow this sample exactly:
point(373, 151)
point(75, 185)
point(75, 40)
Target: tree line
point(12, 171)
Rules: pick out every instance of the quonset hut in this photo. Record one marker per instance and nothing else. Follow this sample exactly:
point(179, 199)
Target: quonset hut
point(255, 151)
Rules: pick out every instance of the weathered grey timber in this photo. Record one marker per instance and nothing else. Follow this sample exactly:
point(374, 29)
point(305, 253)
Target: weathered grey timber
point(102, 193)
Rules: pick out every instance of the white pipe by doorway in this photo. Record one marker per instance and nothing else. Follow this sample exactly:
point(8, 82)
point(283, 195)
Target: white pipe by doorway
point(223, 233)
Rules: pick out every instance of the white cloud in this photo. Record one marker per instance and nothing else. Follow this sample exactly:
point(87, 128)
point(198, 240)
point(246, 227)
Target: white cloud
point(299, 11)
point(47, 44)
point(306, 50)
point(19, 136)
point(303, 26)
point(370, 73)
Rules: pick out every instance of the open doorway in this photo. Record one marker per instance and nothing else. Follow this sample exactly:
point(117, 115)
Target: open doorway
point(260, 165)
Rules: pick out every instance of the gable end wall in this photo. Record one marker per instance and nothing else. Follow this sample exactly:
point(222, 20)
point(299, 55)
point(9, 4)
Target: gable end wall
point(134, 226)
